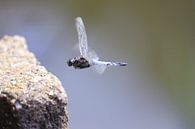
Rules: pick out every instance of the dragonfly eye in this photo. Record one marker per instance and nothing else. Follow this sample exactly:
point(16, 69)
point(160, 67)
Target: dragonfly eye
point(69, 62)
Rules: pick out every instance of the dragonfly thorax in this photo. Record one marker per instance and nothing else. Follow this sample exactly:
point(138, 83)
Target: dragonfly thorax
point(78, 62)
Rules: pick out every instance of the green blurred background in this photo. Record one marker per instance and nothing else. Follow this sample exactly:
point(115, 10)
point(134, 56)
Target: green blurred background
point(156, 38)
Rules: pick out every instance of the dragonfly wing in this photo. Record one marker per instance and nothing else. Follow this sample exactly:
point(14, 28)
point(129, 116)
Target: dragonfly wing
point(92, 55)
point(100, 68)
point(82, 36)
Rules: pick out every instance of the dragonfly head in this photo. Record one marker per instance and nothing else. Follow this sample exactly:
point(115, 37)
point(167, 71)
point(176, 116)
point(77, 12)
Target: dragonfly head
point(70, 62)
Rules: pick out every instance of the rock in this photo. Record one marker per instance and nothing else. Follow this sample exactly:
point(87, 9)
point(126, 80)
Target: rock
point(30, 96)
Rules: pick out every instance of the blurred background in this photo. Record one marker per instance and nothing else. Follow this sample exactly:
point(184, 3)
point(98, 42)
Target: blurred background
point(157, 39)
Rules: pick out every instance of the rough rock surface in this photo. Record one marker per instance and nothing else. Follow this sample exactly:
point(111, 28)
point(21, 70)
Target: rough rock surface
point(30, 96)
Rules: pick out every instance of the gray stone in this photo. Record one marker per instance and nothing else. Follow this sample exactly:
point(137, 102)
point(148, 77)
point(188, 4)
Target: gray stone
point(30, 96)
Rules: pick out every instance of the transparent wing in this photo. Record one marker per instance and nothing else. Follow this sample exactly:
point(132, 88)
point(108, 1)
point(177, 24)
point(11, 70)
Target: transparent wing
point(100, 68)
point(92, 55)
point(82, 36)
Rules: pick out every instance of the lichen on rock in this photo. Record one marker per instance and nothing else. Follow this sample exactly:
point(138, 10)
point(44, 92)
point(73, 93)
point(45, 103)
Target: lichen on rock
point(30, 96)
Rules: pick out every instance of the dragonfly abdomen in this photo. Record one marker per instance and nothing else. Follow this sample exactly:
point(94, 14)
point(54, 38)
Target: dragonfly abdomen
point(116, 64)
point(110, 63)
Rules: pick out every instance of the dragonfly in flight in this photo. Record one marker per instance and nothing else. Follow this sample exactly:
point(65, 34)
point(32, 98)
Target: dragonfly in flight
point(88, 57)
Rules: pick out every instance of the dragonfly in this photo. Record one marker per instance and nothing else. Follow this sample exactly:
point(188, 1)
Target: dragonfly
point(88, 58)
